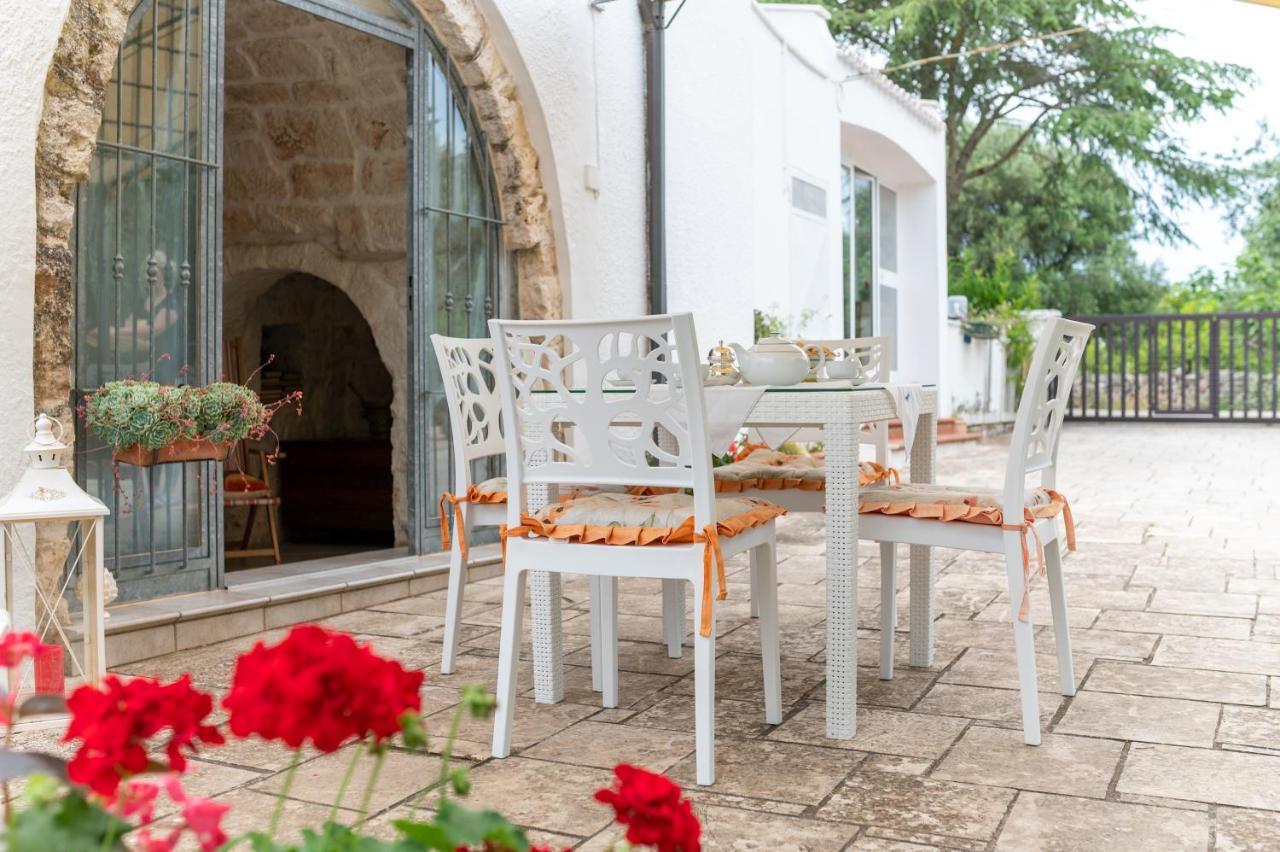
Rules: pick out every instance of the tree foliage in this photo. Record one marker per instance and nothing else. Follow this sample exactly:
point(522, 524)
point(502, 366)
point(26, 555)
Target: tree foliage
point(1061, 218)
point(1111, 91)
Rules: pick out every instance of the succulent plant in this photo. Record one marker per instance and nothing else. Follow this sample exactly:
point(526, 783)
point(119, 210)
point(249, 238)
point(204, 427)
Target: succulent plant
point(129, 413)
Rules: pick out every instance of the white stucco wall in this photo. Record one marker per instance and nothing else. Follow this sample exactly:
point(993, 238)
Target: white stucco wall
point(581, 79)
point(28, 35)
point(756, 94)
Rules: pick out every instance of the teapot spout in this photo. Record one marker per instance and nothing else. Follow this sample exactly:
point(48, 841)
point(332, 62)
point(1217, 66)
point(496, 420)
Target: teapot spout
point(739, 352)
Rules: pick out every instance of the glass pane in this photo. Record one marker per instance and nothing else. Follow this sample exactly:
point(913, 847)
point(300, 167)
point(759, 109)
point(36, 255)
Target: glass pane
point(888, 229)
point(138, 281)
point(464, 253)
point(846, 245)
point(863, 252)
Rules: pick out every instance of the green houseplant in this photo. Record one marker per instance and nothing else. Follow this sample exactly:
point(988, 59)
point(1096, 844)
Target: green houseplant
point(146, 423)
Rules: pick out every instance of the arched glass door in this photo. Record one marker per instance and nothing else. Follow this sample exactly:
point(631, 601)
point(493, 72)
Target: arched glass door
point(146, 243)
point(148, 255)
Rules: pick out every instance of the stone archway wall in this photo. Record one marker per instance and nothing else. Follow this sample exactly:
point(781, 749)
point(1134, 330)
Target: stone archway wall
point(79, 74)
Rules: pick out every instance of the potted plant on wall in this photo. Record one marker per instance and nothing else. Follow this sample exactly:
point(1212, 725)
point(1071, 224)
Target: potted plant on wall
point(146, 423)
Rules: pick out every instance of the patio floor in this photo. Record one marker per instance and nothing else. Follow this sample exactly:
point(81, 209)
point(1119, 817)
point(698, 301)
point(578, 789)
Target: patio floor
point(1173, 741)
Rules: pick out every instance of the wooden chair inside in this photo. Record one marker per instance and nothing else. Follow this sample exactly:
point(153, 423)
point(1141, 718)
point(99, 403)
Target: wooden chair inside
point(241, 488)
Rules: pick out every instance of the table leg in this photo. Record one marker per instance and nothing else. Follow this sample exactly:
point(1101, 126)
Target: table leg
point(544, 604)
point(841, 446)
point(923, 450)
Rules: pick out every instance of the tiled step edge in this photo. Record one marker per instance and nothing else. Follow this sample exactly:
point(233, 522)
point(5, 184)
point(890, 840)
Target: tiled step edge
point(141, 631)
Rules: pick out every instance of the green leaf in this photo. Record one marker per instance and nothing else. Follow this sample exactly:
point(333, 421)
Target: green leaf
point(67, 822)
point(456, 826)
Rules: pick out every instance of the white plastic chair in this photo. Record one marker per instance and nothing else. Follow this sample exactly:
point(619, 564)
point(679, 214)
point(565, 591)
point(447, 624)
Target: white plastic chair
point(470, 389)
point(475, 424)
point(559, 382)
point(1033, 449)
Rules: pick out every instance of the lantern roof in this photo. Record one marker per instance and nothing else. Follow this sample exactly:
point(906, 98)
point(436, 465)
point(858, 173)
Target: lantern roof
point(46, 491)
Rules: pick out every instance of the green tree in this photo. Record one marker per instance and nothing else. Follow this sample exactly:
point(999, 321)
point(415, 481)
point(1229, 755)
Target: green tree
point(1061, 217)
point(1110, 90)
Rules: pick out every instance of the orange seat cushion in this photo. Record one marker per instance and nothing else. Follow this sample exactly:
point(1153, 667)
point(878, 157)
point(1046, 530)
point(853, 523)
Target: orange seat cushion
point(242, 483)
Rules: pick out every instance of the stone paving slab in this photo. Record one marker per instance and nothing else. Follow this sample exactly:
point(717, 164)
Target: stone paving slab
point(1171, 743)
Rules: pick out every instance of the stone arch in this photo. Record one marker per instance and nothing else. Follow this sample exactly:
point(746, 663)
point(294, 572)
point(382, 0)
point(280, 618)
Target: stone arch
point(81, 70)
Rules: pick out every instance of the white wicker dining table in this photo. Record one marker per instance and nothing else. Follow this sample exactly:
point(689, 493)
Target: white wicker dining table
point(838, 409)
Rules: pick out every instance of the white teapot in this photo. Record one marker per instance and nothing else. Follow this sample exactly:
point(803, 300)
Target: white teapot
point(772, 361)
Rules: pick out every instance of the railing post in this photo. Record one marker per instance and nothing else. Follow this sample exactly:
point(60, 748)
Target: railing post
point(1215, 350)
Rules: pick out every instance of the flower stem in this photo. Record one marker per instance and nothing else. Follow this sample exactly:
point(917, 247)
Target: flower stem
point(284, 792)
point(447, 754)
point(373, 780)
point(346, 780)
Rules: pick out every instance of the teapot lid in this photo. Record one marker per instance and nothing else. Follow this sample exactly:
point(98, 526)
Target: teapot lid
point(720, 352)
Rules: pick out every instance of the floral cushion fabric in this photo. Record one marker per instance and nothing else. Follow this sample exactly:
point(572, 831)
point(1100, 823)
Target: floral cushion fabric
point(658, 511)
point(766, 469)
point(953, 502)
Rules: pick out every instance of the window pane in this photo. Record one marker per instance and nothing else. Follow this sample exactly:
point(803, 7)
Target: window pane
point(863, 252)
point(888, 229)
point(846, 245)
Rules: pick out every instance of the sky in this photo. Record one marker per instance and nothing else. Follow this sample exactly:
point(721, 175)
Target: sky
point(1224, 31)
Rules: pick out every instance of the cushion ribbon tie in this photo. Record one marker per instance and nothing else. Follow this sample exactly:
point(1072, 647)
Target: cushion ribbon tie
point(505, 532)
point(461, 528)
point(1028, 525)
point(1067, 521)
point(711, 552)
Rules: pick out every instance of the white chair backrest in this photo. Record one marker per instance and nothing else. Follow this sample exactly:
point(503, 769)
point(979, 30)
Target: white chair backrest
point(873, 351)
point(584, 398)
point(475, 407)
point(1038, 426)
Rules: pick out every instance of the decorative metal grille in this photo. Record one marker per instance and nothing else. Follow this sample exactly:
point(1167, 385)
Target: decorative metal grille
point(146, 240)
point(148, 248)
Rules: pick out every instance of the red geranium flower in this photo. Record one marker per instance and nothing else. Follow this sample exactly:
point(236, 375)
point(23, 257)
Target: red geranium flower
point(321, 687)
point(651, 808)
point(16, 647)
point(115, 720)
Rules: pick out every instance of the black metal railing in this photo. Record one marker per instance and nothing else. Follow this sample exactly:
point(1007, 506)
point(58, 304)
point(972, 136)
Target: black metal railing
point(1180, 366)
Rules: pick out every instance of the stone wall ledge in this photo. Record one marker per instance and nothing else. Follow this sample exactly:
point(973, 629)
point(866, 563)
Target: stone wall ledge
point(260, 599)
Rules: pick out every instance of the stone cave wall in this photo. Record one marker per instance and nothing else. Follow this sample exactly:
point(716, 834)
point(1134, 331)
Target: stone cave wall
point(315, 182)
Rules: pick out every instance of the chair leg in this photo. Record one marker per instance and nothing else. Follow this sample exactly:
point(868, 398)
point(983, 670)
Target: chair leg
point(704, 697)
point(1061, 630)
point(767, 595)
point(888, 608)
point(754, 574)
point(455, 595)
point(248, 528)
point(508, 660)
point(593, 589)
point(608, 640)
point(275, 532)
point(1023, 641)
point(673, 620)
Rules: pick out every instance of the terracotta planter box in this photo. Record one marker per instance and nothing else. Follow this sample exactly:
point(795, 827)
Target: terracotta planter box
point(182, 450)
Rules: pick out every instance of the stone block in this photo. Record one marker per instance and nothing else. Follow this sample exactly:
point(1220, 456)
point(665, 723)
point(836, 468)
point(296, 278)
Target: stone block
point(322, 180)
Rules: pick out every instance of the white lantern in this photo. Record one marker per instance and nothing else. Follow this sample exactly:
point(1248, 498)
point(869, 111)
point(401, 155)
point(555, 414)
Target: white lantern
point(47, 493)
